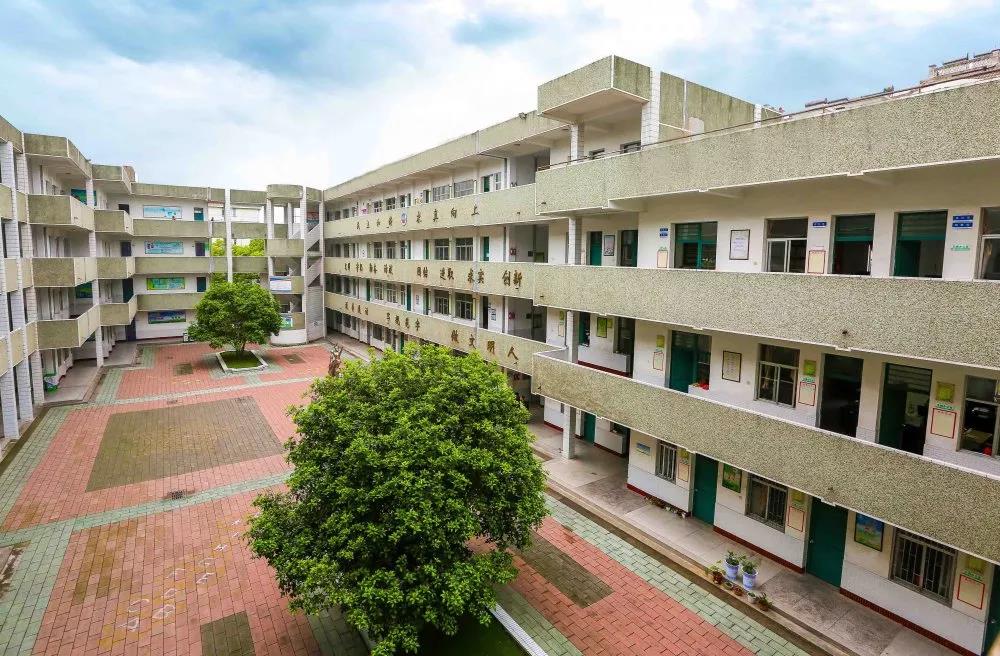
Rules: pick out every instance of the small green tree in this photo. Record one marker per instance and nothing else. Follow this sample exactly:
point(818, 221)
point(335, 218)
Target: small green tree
point(400, 466)
point(236, 314)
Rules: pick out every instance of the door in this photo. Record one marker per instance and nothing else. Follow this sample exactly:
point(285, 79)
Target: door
point(594, 250)
point(199, 214)
point(589, 426)
point(706, 470)
point(690, 358)
point(124, 207)
point(199, 249)
point(840, 395)
point(993, 614)
point(682, 364)
point(127, 290)
point(486, 249)
point(484, 321)
point(825, 551)
point(202, 283)
point(628, 252)
point(126, 249)
point(905, 397)
point(130, 332)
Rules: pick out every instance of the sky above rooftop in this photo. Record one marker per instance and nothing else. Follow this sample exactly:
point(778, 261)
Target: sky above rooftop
point(242, 94)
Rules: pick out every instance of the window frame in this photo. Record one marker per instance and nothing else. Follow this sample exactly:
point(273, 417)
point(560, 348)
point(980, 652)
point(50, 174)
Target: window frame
point(390, 250)
point(463, 188)
point(463, 303)
point(442, 244)
point(771, 487)
point(440, 295)
point(378, 290)
point(666, 461)
point(462, 244)
point(897, 563)
point(761, 363)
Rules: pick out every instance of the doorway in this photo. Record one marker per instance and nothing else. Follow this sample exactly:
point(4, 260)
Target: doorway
point(920, 244)
point(993, 616)
point(589, 427)
point(825, 551)
point(628, 249)
point(706, 470)
point(840, 398)
point(906, 393)
point(690, 357)
point(594, 248)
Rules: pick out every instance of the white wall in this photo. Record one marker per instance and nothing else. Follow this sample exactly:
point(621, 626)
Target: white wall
point(642, 472)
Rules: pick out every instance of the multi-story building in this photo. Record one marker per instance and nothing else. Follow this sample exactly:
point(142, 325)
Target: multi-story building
point(786, 324)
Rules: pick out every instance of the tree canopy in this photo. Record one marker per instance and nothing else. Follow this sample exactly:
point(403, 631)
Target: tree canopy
point(401, 466)
point(236, 314)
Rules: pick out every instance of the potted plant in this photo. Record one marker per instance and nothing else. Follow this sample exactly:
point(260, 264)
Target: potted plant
point(732, 565)
point(715, 573)
point(749, 568)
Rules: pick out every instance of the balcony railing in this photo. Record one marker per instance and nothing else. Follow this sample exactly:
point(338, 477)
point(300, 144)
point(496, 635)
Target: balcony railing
point(60, 211)
point(68, 333)
point(115, 268)
point(496, 278)
point(169, 301)
point(63, 271)
point(119, 314)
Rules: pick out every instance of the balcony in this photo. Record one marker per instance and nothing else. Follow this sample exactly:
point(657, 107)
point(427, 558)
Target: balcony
point(8, 266)
point(4, 357)
point(115, 268)
point(914, 492)
point(168, 301)
point(876, 137)
point(113, 221)
point(246, 230)
point(181, 264)
point(119, 314)
point(298, 321)
point(21, 200)
point(114, 179)
point(57, 153)
point(63, 271)
point(909, 317)
point(286, 285)
point(605, 86)
point(511, 205)
point(506, 350)
point(6, 203)
point(285, 247)
point(165, 228)
point(247, 264)
point(498, 278)
point(60, 212)
point(68, 333)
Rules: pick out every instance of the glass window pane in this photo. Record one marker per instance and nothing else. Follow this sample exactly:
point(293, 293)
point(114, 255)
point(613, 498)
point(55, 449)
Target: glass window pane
point(776, 256)
point(786, 386)
point(797, 256)
point(787, 228)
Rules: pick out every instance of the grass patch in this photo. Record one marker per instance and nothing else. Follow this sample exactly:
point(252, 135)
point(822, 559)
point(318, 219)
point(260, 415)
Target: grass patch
point(246, 360)
point(472, 638)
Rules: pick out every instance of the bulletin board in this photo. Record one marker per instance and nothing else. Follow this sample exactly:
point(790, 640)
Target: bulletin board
point(796, 519)
point(943, 422)
point(807, 393)
point(816, 262)
point(971, 591)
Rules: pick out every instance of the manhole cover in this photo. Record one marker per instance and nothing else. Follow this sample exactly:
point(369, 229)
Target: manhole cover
point(174, 495)
point(183, 369)
point(294, 358)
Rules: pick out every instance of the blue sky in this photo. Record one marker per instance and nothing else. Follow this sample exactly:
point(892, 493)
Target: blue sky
point(243, 94)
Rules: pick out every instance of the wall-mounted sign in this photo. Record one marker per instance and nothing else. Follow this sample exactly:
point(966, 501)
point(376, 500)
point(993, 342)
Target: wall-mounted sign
point(164, 248)
point(609, 245)
point(739, 244)
point(961, 248)
point(868, 531)
point(944, 392)
point(167, 316)
point(816, 261)
point(732, 364)
point(943, 422)
point(664, 232)
point(644, 449)
point(662, 258)
point(402, 218)
point(286, 320)
point(962, 221)
point(161, 212)
point(807, 393)
point(160, 284)
point(280, 283)
point(732, 478)
point(603, 323)
point(86, 290)
point(819, 224)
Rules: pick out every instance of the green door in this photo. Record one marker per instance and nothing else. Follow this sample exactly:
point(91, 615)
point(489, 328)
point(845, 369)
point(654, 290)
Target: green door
point(920, 244)
point(594, 251)
point(682, 361)
point(905, 399)
point(486, 249)
point(705, 472)
point(993, 614)
point(589, 426)
point(825, 552)
point(686, 350)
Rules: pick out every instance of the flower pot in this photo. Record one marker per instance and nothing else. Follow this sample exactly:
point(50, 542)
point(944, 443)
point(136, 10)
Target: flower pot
point(749, 580)
point(732, 571)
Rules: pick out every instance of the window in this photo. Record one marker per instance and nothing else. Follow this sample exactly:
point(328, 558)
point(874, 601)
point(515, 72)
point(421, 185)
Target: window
point(492, 182)
point(390, 293)
point(920, 244)
point(377, 332)
point(390, 250)
point(596, 154)
point(584, 319)
point(666, 461)
point(377, 249)
point(980, 419)
point(441, 304)
point(925, 566)
point(463, 249)
point(463, 306)
point(786, 245)
point(377, 206)
point(852, 244)
point(465, 188)
point(441, 249)
point(404, 200)
point(630, 147)
point(404, 250)
point(390, 203)
point(766, 502)
point(696, 245)
point(378, 291)
point(777, 374)
point(441, 193)
point(990, 267)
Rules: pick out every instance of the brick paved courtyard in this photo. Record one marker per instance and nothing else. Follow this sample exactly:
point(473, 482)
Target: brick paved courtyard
point(123, 521)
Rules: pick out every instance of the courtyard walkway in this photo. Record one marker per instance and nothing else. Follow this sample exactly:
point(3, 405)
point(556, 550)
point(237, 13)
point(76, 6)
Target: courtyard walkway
point(121, 524)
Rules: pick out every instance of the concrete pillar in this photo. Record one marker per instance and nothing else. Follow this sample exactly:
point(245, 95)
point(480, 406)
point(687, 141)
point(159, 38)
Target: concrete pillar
point(269, 221)
point(8, 404)
point(573, 235)
point(227, 216)
point(95, 286)
point(569, 433)
point(576, 146)
point(649, 131)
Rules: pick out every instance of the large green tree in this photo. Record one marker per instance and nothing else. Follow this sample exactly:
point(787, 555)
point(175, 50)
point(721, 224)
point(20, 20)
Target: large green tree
point(235, 314)
point(402, 466)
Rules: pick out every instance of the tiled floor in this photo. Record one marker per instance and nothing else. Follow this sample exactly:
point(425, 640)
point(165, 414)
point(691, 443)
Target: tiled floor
point(126, 546)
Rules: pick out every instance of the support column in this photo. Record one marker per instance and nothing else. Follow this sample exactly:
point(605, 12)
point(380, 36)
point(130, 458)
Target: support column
point(95, 286)
point(573, 235)
point(227, 217)
point(30, 295)
point(649, 131)
point(8, 403)
point(269, 221)
point(576, 148)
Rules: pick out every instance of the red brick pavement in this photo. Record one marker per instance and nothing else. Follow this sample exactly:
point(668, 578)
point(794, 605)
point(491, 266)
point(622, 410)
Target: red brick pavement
point(145, 586)
point(634, 619)
point(161, 379)
point(56, 489)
